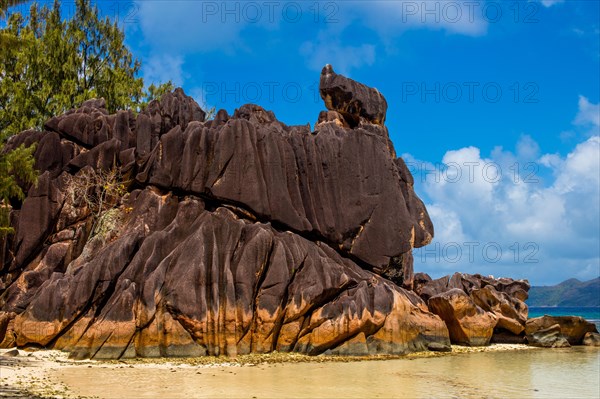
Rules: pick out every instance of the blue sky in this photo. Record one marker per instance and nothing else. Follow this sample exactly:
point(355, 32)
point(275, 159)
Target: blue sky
point(494, 105)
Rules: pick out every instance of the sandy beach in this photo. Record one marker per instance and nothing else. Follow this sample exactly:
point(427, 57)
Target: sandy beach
point(464, 372)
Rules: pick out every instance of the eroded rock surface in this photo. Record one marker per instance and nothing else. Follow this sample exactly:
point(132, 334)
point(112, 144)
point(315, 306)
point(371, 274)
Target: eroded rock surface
point(572, 328)
point(351, 99)
point(549, 337)
point(591, 339)
point(235, 235)
point(467, 323)
point(477, 309)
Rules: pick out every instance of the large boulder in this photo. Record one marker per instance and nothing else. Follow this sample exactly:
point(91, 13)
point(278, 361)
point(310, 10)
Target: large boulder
point(573, 328)
point(467, 323)
point(87, 126)
point(235, 235)
point(39, 213)
point(342, 186)
point(182, 280)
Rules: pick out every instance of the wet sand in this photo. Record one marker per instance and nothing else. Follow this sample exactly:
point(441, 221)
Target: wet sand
point(28, 375)
point(499, 371)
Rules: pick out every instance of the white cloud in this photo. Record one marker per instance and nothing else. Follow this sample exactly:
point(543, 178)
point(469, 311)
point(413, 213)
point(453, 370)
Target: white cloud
point(550, 3)
point(396, 17)
point(184, 27)
point(527, 148)
point(344, 58)
point(162, 68)
point(546, 232)
point(589, 114)
point(191, 26)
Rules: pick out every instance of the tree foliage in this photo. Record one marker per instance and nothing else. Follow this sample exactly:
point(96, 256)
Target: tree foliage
point(7, 40)
point(6, 4)
point(63, 63)
point(50, 64)
point(156, 92)
point(15, 164)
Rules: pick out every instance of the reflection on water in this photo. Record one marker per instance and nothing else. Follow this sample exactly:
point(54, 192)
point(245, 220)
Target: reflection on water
point(539, 373)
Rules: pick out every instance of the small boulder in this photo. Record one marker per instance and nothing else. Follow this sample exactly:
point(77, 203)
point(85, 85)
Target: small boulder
point(420, 280)
point(352, 99)
point(573, 328)
point(550, 337)
point(11, 353)
point(591, 339)
point(332, 116)
point(96, 103)
point(172, 109)
point(439, 347)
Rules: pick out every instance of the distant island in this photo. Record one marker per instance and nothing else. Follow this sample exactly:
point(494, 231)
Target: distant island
point(571, 292)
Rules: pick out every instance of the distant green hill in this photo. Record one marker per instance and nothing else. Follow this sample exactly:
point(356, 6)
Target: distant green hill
point(571, 292)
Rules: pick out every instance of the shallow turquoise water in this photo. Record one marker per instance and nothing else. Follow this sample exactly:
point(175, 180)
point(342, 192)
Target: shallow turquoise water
point(532, 373)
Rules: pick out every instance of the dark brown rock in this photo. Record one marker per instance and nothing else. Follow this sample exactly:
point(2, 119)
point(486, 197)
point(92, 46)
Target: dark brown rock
point(96, 104)
point(121, 129)
point(42, 207)
point(517, 289)
point(26, 139)
point(351, 99)
point(419, 281)
point(238, 235)
point(144, 135)
point(220, 285)
point(468, 282)
point(502, 336)
point(299, 180)
point(173, 109)
point(52, 259)
point(86, 129)
point(399, 270)
point(103, 156)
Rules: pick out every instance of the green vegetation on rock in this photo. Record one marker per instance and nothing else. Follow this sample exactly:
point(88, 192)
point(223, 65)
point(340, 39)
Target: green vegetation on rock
point(51, 64)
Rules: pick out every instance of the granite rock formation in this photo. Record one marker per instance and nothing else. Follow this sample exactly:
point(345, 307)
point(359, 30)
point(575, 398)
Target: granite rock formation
point(549, 337)
point(354, 101)
point(571, 328)
point(591, 339)
point(477, 309)
point(467, 323)
point(233, 235)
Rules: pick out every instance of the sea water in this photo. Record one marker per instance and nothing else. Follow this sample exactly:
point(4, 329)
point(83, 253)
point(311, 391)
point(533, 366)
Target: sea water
point(529, 373)
point(591, 314)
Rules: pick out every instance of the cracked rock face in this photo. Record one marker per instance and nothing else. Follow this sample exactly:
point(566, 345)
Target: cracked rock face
point(477, 309)
point(573, 329)
point(237, 235)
